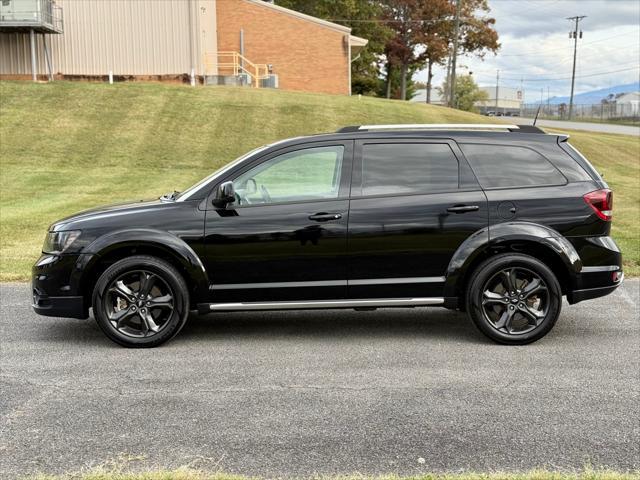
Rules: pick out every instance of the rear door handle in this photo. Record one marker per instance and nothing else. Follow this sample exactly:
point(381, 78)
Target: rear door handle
point(463, 208)
point(325, 217)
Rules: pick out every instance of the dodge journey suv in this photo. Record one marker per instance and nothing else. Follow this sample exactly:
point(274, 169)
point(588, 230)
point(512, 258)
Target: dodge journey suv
point(499, 221)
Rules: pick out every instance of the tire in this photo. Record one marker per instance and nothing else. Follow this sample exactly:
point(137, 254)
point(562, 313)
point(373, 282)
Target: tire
point(512, 319)
point(141, 302)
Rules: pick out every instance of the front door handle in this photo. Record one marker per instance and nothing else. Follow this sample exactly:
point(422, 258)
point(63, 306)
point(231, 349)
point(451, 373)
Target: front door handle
point(325, 217)
point(463, 208)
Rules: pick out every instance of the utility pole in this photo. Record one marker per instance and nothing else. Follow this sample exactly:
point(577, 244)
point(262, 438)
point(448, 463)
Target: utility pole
point(548, 102)
point(574, 34)
point(497, 88)
point(522, 104)
point(454, 55)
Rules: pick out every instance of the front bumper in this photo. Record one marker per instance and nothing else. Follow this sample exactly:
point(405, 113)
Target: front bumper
point(55, 287)
point(68, 307)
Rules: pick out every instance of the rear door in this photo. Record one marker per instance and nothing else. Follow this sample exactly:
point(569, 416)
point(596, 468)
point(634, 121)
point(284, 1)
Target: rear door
point(534, 183)
point(413, 203)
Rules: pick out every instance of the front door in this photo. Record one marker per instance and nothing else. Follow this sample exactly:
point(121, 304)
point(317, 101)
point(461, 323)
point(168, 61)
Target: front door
point(285, 237)
point(413, 203)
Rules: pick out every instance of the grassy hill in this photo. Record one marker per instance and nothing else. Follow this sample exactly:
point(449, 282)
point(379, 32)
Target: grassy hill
point(67, 146)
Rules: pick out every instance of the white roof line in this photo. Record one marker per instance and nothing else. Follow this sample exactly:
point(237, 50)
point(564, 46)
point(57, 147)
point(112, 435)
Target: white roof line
point(440, 126)
point(357, 41)
point(302, 16)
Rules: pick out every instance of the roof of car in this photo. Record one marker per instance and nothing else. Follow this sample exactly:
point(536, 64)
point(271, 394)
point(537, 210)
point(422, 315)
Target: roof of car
point(459, 132)
point(442, 127)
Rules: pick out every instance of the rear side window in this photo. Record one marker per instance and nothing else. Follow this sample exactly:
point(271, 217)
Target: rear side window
point(502, 166)
point(586, 164)
point(405, 168)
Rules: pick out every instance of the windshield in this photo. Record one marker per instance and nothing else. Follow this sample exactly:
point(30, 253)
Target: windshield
point(193, 189)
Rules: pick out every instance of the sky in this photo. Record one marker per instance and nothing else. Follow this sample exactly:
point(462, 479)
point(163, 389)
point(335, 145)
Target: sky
point(536, 52)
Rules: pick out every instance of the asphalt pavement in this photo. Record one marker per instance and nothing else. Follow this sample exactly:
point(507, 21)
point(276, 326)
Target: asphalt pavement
point(587, 126)
point(312, 393)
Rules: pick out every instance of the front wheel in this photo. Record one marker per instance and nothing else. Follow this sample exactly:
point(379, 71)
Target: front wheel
point(514, 299)
point(141, 301)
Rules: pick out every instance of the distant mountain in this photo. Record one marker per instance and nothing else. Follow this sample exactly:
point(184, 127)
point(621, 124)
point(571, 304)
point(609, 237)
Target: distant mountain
point(595, 96)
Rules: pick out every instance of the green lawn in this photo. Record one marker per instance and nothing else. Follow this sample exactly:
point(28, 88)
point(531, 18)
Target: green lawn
point(67, 146)
point(196, 475)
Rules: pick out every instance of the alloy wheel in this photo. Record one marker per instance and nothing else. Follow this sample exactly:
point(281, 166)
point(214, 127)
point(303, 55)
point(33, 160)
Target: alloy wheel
point(515, 300)
point(139, 303)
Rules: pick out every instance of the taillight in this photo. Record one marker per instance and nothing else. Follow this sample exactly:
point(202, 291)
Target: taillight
point(602, 203)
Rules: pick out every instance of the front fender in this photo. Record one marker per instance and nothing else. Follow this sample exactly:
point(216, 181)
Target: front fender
point(172, 245)
point(502, 234)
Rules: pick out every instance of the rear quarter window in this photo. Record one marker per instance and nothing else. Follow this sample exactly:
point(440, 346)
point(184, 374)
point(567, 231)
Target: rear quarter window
point(582, 160)
point(506, 166)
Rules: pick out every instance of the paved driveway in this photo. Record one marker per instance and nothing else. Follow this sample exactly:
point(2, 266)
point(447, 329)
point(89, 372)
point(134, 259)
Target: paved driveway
point(303, 393)
point(590, 127)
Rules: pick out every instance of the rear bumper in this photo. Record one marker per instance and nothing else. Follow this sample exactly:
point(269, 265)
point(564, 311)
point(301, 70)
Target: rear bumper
point(589, 293)
point(601, 272)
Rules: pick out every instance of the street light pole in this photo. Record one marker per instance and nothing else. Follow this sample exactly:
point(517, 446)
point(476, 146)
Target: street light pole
point(574, 34)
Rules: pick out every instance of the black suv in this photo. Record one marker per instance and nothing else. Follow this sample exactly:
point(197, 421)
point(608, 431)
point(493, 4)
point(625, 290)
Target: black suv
point(499, 221)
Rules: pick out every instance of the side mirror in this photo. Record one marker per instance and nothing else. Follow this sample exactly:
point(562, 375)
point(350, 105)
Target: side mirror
point(224, 195)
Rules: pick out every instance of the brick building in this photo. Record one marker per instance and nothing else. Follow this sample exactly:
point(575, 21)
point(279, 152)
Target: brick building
point(230, 42)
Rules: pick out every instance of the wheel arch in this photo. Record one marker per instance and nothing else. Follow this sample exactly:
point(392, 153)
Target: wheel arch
point(110, 248)
point(535, 240)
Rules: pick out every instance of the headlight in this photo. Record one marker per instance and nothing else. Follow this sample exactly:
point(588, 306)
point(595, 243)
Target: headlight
point(59, 242)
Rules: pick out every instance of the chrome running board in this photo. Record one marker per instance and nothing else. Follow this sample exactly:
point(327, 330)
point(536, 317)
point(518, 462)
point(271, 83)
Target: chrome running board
point(318, 304)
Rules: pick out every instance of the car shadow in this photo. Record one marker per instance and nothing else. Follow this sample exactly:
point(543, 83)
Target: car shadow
point(438, 324)
point(334, 324)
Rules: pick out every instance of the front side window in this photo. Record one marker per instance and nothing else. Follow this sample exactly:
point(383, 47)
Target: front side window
point(309, 174)
point(407, 168)
point(502, 166)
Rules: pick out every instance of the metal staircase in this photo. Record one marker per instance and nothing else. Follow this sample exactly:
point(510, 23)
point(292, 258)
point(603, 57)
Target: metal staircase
point(235, 69)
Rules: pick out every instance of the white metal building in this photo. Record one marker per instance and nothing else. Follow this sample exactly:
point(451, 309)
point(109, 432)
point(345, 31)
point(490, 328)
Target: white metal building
point(509, 100)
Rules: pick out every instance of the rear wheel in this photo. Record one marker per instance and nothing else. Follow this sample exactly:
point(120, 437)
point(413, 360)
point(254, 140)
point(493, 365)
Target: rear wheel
point(141, 301)
point(514, 299)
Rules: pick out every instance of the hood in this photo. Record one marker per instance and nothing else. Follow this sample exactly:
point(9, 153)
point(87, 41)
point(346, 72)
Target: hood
point(125, 212)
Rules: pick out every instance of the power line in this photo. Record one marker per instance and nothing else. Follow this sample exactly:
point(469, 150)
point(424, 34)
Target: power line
point(546, 50)
point(523, 75)
point(577, 76)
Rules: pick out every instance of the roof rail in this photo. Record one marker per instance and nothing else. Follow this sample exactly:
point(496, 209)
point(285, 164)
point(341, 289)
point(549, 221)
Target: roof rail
point(442, 126)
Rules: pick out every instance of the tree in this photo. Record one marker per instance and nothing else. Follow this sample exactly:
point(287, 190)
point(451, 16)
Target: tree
point(360, 16)
point(424, 32)
point(406, 18)
point(467, 93)
point(395, 84)
point(436, 37)
point(476, 34)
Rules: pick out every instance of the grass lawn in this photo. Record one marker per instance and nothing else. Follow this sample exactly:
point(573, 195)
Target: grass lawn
point(68, 146)
point(196, 475)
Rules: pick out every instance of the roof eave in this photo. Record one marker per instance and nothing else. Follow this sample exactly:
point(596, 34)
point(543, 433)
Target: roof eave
point(302, 16)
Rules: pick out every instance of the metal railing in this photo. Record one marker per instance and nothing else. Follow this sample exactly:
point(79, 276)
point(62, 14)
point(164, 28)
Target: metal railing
point(596, 111)
point(42, 14)
point(235, 64)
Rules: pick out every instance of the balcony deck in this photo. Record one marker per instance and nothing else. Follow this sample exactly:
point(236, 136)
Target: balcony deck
point(42, 16)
